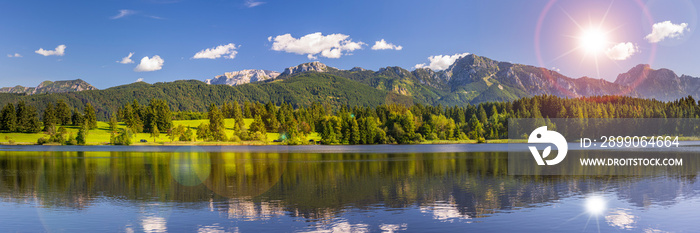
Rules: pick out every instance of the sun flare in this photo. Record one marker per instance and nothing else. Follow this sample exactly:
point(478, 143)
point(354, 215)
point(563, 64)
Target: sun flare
point(593, 41)
point(595, 205)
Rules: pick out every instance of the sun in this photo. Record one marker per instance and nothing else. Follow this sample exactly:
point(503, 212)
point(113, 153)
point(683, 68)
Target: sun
point(595, 205)
point(593, 41)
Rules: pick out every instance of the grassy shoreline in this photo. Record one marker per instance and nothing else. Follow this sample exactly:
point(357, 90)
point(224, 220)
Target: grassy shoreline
point(246, 143)
point(101, 136)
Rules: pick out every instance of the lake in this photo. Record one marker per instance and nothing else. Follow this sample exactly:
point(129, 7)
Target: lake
point(386, 188)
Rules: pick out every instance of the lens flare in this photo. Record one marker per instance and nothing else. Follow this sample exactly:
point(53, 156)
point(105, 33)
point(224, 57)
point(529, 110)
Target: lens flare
point(595, 205)
point(593, 40)
point(545, 16)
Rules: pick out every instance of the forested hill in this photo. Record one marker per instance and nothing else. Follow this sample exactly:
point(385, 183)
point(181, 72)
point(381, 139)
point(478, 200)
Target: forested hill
point(192, 95)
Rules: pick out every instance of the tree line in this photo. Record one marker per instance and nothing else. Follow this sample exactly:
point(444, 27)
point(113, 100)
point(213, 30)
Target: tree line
point(22, 118)
point(392, 123)
point(413, 124)
point(403, 124)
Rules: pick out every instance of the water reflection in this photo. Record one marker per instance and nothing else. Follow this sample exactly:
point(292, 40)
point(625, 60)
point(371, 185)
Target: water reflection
point(247, 210)
point(445, 211)
point(318, 188)
point(342, 226)
point(621, 219)
point(154, 224)
point(190, 168)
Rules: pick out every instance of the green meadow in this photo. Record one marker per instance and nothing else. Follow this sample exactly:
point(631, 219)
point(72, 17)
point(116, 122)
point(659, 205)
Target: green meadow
point(101, 135)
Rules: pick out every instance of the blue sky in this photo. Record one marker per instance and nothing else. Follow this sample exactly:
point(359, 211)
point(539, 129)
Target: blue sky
point(97, 34)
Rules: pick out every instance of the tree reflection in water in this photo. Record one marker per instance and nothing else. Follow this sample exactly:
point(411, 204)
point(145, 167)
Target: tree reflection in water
point(318, 187)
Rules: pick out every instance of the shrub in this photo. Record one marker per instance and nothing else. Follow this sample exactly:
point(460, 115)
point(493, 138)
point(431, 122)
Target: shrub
point(258, 136)
point(123, 138)
point(42, 141)
point(235, 138)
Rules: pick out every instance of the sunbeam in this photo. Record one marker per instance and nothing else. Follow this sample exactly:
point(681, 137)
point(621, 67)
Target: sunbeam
point(592, 41)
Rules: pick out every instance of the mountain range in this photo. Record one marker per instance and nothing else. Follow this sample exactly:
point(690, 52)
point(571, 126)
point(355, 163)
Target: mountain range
point(243, 77)
point(50, 87)
point(469, 80)
point(475, 79)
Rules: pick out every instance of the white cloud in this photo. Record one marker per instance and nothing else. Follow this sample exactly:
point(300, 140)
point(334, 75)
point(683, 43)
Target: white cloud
point(14, 55)
point(622, 51)
point(213, 53)
point(127, 59)
point(666, 29)
point(382, 45)
point(59, 51)
point(139, 80)
point(123, 13)
point(252, 3)
point(150, 64)
point(330, 46)
point(441, 62)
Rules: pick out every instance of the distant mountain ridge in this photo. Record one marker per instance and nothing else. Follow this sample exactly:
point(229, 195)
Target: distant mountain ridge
point(192, 95)
point(50, 87)
point(470, 80)
point(306, 67)
point(475, 79)
point(243, 77)
point(661, 84)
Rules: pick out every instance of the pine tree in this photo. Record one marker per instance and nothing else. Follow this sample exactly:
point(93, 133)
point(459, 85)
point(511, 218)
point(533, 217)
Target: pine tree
point(8, 118)
point(121, 138)
point(368, 130)
point(476, 128)
point(90, 117)
point(77, 118)
point(203, 132)
point(158, 113)
point(227, 110)
point(188, 135)
point(137, 123)
point(481, 114)
point(127, 116)
point(237, 114)
point(27, 119)
point(63, 114)
point(81, 139)
point(216, 123)
point(247, 111)
point(562, 112)
point(155, 133)
point(113, 123)
point(354, 132)
point(22, 117)
point(258, 125)
point(49, 117)
point(136, 108)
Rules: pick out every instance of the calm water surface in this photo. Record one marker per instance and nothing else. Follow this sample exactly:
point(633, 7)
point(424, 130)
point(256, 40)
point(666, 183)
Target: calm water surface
point(423, 188)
